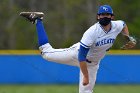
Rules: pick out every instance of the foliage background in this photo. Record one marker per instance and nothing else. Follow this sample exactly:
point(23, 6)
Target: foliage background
point(65, 21)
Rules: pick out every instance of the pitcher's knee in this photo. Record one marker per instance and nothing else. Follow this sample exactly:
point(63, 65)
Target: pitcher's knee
point(45, 48)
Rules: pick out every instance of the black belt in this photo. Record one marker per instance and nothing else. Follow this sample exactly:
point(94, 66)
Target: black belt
point(88, 61)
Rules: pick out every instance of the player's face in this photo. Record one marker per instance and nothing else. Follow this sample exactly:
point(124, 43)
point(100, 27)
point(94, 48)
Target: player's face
point(105, 18)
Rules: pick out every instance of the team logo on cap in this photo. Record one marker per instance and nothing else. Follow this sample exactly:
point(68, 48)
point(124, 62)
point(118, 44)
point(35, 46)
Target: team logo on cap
point(104, 8)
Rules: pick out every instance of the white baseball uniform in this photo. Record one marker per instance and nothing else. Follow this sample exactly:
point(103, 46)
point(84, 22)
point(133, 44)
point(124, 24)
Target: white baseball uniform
point(95, 38)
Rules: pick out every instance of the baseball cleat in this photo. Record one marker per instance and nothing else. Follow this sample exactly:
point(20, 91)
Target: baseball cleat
point(32, 16)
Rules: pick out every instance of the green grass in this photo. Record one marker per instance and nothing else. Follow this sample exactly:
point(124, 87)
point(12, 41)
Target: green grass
point(38, 89)
point(67, 89)
point(117, 89)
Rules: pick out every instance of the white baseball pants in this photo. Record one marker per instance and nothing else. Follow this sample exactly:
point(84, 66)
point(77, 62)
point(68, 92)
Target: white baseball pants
point(69, 56)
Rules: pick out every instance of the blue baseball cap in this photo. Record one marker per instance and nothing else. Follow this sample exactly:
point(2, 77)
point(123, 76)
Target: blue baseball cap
point(105, 9)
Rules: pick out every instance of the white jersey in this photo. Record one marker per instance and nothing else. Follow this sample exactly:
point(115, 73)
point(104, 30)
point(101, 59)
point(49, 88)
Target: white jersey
point(99, 41)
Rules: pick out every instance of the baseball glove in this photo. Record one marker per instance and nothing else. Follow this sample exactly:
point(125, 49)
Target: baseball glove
point(130, 44)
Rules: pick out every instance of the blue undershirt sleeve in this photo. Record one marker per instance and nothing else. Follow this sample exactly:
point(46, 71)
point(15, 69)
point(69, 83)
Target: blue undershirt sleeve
point(82, 53)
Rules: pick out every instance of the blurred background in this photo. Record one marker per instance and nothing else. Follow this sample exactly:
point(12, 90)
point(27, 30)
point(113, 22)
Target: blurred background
point(23, 70)
point(65, 21)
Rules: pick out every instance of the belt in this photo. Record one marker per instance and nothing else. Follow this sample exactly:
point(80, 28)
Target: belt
point(88, 61)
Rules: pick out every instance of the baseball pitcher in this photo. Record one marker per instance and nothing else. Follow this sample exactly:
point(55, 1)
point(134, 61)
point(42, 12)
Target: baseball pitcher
point(87, 53)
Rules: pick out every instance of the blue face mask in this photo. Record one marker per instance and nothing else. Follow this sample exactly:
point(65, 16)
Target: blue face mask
point(104, 21)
